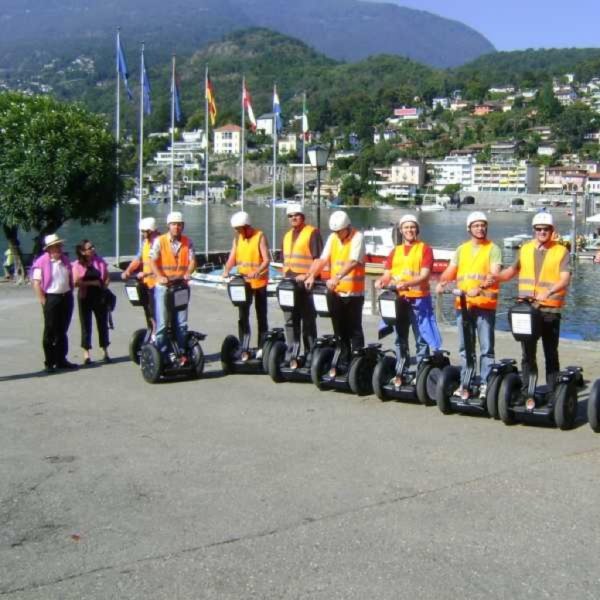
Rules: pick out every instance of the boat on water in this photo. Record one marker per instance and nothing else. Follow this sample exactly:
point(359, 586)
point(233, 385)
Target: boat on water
point(430, 208)
point(214, 279)
point(516, 241)
point(133, 201)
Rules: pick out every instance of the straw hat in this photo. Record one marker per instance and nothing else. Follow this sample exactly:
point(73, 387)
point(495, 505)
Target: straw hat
point(52, 240)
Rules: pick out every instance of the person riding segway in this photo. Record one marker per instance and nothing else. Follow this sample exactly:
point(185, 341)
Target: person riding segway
point(474, 266)
point(350, 365)
point(301, 246)
point(250, 254)
point(544, 276)
point(139, 287)
point(405, 303)
point(176, 351)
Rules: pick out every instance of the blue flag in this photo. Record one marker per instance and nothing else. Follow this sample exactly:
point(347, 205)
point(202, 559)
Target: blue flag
point(147, 102)
point(122, 67)
point(277, 110)
point(175, 95)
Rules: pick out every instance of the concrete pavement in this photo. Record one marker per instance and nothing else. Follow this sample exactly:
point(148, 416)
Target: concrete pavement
point(240, 488)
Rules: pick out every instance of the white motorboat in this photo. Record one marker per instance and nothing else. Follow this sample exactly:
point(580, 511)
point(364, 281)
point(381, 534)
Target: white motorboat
point(516, 241)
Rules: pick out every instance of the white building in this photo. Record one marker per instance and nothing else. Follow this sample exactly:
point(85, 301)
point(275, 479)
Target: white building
point(506, 177)
point(264, 123)
point(408, 172)
point(443, 102)
point(288, 144)
point(228, 140)
point(452, 170)
point(187, 153)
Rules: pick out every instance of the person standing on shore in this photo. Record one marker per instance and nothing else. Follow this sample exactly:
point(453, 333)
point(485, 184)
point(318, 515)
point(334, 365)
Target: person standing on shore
point(301, 245)
point(53, 285)
point(544, 276)
point(475, 267)
point(149, 233)
point(344, 252)
point(8, 264)
point(90, 277)
point(408, 269)
point(250, 253)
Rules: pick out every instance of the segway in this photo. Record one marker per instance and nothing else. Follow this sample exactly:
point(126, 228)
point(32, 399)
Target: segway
point(394, 379)
point(288, 362)
point(137, 293)
point(593, 409)
point(237, 356)
point(450, 378)
point(187, 362)
point(558, 407)
point(327, 370)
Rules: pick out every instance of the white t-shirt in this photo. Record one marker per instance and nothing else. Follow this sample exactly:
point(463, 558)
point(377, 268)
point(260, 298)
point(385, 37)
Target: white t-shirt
point(357, 247)
point(60, 277)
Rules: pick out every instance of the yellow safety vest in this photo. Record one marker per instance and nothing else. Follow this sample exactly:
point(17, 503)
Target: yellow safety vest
point(297, 256)
point(407, 267)
point(248, 258)
point(149, 280)
point(354, 281)
point(472, 271)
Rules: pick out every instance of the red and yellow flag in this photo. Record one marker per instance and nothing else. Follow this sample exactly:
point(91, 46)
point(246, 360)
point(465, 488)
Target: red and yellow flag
point(210, 98)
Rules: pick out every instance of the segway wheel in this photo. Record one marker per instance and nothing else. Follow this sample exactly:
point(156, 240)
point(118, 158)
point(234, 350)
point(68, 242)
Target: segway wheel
point(266, 351)
point(135, 345)
point(565, 405)
point(276, 357)
point(229, 348)
point(449, 380)
point(151, 363)
point(491, 400)
point(594, 406)
point(427, 382)
point(321, 363)
point(196, 356)
point(508, 396)
point(385, 369)
point(360, 376)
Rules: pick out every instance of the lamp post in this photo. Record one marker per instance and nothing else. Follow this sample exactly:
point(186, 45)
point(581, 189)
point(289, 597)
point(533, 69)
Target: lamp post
point(318, 156)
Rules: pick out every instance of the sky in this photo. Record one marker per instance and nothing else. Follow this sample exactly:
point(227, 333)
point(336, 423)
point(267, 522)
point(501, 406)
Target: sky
point(520, 24)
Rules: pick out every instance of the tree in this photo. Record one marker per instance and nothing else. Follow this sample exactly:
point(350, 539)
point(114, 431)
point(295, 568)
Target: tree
point(57, 162)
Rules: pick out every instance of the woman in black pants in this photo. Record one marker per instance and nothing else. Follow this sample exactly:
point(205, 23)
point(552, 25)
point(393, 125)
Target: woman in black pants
point(90, 277)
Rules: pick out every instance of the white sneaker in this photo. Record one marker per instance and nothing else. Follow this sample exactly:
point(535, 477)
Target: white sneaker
point(259, 353)
point(483, 391)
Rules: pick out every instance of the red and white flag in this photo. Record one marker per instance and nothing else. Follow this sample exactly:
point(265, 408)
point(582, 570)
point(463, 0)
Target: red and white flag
point(247, 105)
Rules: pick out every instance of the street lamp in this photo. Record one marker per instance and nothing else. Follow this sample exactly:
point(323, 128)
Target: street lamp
point(318, 156)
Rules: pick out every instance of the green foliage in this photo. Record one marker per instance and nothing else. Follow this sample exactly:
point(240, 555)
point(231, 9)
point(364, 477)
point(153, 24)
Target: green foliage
point(573, 123)
point(57, 162)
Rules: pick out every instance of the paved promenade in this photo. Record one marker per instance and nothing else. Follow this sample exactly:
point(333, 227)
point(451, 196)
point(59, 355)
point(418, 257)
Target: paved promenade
point(238, 488)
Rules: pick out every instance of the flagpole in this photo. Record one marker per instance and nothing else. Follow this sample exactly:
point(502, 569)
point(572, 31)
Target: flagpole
point(243, 138)
point(141, 157)
point(118, 141)
point(303, 145)
point(172, 133)
point(206, 164)
point(273, 240)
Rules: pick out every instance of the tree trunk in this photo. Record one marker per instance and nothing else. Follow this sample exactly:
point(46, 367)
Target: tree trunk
point(12, 235)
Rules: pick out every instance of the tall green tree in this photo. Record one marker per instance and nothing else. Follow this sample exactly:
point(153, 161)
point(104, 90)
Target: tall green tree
point(57, 162)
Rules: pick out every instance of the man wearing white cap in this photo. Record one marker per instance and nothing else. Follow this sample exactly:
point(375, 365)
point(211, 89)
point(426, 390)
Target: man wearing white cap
point(544, 275)
point(408, 268)
point(149, 233)
point(344, 252)
point(172, 258)
point(250, 253)
point(301, 245)
point(53, 285)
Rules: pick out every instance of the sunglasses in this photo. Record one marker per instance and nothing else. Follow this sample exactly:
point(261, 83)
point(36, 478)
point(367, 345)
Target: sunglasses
point(294, 216)
point(545, 229)
point(87, 248)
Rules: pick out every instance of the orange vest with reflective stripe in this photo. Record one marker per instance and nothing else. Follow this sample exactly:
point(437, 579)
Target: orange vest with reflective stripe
point(407, 267)
point(549, 273)
point(297, 256)
point(354, 281)
point(472, 271)
point(172, 266)
point(247, 258)
point(149, 281)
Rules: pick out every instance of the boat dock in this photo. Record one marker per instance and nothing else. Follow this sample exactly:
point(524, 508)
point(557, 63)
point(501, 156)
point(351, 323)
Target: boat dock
point(237, 487)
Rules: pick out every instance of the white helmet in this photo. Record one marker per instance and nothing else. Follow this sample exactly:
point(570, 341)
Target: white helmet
point(240, 219)
point(339, 220)
point(147, 224)
point(174, 217)
point(474, 217)
point(408, 219)
point(294, 209)
point(543, 218)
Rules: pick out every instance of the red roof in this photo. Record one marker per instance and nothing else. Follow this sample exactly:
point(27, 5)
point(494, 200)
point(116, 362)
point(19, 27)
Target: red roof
point(229, 127)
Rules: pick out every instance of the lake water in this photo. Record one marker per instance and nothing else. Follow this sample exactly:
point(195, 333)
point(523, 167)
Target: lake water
point(445, 229)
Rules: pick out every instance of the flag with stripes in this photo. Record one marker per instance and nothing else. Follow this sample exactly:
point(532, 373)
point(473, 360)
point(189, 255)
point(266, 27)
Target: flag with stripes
point(210, 97)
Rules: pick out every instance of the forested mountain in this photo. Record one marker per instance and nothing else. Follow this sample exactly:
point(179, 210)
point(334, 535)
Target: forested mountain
point(34, 32)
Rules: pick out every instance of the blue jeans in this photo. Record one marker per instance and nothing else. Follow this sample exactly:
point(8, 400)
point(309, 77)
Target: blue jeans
point(484, 322)
point(181, 326)
point(424, 327)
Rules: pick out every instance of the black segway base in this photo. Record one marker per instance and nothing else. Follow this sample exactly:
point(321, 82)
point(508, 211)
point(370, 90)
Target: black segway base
point(298, 375)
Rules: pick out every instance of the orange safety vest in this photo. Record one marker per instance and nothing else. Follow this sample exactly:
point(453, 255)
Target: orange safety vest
point(173, 266)
point(407, 267)
point(297, 256)
point(354, 281)
point(472, 271)
point(248, 259)
point(149, 280)
point(549, 274)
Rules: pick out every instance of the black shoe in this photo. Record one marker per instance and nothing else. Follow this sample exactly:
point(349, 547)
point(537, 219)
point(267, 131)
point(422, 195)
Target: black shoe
point(50, 369)
point(106, 360)
point(87, 361)
point(66, 365)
